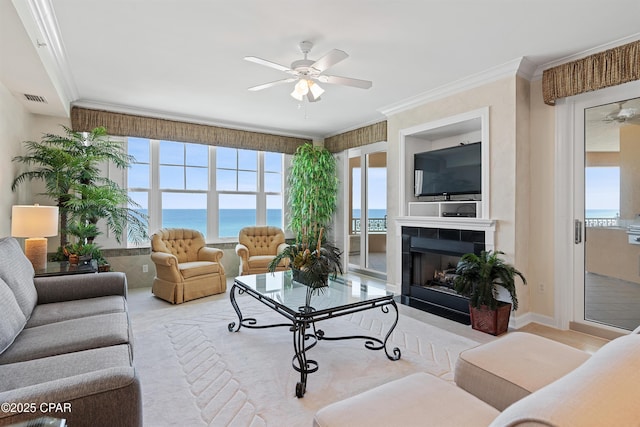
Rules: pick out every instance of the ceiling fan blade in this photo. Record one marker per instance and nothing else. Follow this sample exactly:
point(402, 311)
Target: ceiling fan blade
point(266, 63)
point(329, 60)
point(271, 84)
point(345, 81)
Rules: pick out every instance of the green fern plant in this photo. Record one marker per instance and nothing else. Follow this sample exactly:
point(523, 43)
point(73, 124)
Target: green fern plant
point(479, 275)
point(314, 262)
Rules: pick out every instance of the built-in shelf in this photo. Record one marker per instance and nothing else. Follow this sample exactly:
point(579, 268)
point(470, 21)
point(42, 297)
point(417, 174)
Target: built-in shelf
point(446, 209)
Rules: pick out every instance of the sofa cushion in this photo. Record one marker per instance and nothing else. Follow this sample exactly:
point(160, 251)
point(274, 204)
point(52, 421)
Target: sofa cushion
point(66, 310)
point(12, 320)
point(17, 272)
point(99, 387)
point(603, 391)
point(261, 261)
point(68, 336)
point(37, 371)
point(499, 372)
point(198, 268)
point(415, 400)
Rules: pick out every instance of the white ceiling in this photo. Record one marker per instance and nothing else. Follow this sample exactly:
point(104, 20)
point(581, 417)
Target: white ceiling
point(184, 58)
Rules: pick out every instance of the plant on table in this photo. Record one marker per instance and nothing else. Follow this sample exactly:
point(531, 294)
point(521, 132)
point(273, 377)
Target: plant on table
point(312, 195)
point(312, 262)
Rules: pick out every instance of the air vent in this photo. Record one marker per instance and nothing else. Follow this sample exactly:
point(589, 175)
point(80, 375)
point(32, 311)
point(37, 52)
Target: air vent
point(35, 98)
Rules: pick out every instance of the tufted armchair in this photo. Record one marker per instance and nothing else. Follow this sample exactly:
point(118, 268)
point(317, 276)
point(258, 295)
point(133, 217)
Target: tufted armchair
point(257, 246)
point(185, 268)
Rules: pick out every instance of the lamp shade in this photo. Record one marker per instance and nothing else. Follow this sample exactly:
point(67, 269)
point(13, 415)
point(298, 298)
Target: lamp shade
point(34, 221)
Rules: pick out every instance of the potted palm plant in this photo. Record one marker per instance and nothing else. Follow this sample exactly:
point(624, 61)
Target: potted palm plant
point(478, 277)
point(313, 192)
point(312, 195)
point(70, 167)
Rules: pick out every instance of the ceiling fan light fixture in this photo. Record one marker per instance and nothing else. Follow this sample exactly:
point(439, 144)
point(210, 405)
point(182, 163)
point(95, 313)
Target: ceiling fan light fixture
point(302, 87)
point(315, 89)
point(296, 95)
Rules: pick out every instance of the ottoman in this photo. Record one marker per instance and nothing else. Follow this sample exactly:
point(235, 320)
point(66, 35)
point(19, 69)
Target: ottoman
point(416, 400)
point(506, 370)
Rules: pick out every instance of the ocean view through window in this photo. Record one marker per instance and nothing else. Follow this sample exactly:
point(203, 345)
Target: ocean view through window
point(215, 190)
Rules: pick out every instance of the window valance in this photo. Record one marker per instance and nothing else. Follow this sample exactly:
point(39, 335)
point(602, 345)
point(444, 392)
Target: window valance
point(358, 137)
point(120, 124)
point(598, 71)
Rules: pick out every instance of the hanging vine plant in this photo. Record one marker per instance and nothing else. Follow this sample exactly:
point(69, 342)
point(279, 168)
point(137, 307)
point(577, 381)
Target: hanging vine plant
point(313, 192)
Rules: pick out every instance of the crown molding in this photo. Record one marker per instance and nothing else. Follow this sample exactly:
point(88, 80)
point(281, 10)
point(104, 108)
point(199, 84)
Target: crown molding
point(629, 39)
point(520, 66)
point(39, 20)
point(157, 114)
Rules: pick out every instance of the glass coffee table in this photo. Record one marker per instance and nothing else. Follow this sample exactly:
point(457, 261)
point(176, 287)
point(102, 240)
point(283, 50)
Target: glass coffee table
point(288, 297)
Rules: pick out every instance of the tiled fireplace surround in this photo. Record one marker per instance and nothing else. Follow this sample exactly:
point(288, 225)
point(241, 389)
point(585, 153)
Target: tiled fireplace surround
point(429, 249)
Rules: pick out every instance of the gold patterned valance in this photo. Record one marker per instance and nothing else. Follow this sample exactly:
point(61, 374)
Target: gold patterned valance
point(598, 71)
point(119, 124)
point(358, 137)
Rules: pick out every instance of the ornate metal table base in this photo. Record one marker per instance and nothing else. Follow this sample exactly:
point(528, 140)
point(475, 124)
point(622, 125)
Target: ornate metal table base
point(305, 334)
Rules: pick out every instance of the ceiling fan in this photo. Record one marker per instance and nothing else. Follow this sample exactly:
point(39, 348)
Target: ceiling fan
point(307, 72)
point(621, 115)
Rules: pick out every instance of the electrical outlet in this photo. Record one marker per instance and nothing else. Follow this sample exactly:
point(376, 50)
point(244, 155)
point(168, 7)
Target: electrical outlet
point(541, 287)
point(145, 268)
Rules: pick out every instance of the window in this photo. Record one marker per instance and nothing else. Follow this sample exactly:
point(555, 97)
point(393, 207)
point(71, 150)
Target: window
point(180, 190)
point(602, 192)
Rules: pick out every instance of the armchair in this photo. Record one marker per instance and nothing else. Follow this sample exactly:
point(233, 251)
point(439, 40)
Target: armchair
point(185, 268)
point(257, 246)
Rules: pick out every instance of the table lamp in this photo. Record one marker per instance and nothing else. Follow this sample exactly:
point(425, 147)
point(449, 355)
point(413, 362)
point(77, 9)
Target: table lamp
point(36, 223)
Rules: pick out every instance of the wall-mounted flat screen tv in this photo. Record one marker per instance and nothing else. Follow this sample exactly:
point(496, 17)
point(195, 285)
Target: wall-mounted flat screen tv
point(449, 171)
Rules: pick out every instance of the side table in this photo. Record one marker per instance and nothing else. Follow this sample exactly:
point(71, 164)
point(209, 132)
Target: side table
point(63, 268)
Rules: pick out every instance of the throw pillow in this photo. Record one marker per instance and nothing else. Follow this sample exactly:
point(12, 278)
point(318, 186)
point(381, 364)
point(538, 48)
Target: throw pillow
point(13, 319)
point(17, 272)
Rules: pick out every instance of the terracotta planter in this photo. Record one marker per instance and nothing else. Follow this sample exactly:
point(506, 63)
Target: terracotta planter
point(494, 322)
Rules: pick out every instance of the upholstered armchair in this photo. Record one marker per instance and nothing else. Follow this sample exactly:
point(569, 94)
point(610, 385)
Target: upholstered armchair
point(257, 246)
point(185, 268)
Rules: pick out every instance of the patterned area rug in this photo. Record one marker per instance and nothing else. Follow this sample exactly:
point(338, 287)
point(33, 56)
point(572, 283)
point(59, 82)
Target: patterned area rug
point(195, 372)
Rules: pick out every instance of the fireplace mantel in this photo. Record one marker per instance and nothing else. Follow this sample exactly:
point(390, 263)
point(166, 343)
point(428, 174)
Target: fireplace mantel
point(479, 224)
point(476, 224)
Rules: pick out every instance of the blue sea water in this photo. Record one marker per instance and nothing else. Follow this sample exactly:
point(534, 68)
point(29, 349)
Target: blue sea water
point(602, 213)
point(230, 220)
point(373, 213)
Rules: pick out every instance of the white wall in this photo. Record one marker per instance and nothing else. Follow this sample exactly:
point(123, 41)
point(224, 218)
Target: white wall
point(16, 126)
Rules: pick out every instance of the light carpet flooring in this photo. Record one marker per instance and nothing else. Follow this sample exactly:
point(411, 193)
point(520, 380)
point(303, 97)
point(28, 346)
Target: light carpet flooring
point(194, 372)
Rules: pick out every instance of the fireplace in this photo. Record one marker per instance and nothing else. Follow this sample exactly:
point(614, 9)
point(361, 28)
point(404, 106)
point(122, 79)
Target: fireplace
point(429, 258)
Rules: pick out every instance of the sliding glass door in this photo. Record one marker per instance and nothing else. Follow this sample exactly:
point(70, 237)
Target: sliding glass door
point(612, 214)
point(597, 280)
point(367, 223)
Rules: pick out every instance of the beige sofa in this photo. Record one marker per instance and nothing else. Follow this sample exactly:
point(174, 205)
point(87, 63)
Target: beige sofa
point(65, 346)
point(517, 380)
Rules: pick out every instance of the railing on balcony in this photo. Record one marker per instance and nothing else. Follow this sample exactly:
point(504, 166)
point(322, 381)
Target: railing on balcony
point(602, 222)
point(375, 225)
